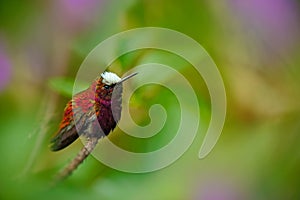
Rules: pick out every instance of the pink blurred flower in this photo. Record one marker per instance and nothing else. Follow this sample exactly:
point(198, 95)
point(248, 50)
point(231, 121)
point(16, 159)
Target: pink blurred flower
point(75, 15)
point(219, 188)
point(5, 68)
point(274, 23)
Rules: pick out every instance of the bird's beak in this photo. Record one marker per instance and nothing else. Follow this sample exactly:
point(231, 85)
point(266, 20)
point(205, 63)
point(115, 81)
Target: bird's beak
point(127, 77)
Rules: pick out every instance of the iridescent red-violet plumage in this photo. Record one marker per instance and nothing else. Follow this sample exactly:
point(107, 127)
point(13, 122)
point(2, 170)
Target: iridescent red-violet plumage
point(100, 104)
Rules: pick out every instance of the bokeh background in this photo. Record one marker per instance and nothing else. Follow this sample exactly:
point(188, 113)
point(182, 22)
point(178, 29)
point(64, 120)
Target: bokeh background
point(255, 45)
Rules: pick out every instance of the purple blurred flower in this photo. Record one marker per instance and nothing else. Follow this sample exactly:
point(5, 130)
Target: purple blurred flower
point(275, 23)
point(5, 68)
point(219, 189)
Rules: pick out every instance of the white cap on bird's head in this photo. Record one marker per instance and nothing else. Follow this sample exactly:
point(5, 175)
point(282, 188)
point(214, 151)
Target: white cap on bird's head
point(110, 78)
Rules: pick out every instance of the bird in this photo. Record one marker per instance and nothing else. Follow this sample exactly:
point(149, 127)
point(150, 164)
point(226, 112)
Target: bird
point(92, 113)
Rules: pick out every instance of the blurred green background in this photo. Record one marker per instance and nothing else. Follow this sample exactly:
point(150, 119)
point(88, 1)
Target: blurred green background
point(255, 45)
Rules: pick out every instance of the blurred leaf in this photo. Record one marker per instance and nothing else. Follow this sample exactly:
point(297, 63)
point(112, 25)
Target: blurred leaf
point(62, 85)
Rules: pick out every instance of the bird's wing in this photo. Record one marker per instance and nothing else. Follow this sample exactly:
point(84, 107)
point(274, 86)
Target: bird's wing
point(68, 132)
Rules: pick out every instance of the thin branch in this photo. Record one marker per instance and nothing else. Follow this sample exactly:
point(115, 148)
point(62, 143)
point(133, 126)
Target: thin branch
point(46, 113)
point(81, 156)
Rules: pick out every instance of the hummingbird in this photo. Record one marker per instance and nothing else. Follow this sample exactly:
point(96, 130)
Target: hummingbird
point(92, 113)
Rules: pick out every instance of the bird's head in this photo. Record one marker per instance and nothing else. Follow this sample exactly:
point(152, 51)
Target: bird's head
point(109, 82)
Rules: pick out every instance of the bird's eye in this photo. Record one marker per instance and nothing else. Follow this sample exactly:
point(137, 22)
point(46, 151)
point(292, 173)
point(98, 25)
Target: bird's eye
point(106, 87)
